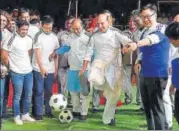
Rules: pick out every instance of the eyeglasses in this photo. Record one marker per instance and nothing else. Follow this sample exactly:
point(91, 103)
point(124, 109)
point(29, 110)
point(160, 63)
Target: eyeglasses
point(147, 16)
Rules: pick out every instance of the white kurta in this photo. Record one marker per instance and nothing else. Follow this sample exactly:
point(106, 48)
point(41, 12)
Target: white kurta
point(108, 49)
point(105, 72)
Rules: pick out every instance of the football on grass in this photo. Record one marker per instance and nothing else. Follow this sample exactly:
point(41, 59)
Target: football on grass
point(58, 102)
point(65, 116)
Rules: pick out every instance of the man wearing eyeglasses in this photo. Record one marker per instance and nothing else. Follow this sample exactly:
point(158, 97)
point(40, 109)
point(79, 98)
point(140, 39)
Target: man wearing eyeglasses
point(166, 98)
point(154, 46)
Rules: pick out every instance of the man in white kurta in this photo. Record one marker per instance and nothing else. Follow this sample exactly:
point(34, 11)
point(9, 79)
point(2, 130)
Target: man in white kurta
point(77, 44)
point(105, 72)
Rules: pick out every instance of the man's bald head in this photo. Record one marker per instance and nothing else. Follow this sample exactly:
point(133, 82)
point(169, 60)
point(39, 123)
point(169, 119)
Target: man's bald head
point(77, 26)
point(109, 15)
point(103, 17)
point(176, 18)
point(103, 22)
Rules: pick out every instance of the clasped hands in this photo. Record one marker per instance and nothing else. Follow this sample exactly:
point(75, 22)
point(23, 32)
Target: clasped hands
point(129, 47)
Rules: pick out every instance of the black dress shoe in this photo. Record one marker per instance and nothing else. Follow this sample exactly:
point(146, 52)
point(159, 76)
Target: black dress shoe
point(49, 116)
point(38, 117)
point(128, 101)
point(112, 122)
point(83, 117)
point(76, 115)
point(95, 110)
point(6, 116)
point(138, 103)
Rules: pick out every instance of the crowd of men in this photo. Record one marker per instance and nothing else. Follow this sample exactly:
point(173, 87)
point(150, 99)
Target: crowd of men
point(88, 61)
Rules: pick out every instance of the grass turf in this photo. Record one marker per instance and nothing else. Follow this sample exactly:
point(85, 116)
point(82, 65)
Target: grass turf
point(128, 118)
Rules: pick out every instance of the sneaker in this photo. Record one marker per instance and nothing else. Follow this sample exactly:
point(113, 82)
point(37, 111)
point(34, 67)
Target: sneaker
point(112, 122)
point(27, 118)
point(18, 120)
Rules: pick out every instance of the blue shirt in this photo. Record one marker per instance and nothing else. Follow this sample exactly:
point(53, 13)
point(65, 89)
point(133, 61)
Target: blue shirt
point(155, 56)
point(175, 70)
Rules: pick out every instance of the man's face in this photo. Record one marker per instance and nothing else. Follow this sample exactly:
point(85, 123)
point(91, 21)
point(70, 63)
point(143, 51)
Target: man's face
point(176, 18)
point(34, 17)
point(103, 23)
point(3, 21)
point(47, 28)
point(68, 25)
point(131, 23)
point(15, 13)
point(77, 28)
point(138, 22)
point(23, 30)
point(174, 42)
point(25, 16)
point(110, 18)
point(148, 17)
point(12, 25)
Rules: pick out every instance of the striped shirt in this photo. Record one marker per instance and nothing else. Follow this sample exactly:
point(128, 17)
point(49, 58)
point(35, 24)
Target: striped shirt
point(18, 48)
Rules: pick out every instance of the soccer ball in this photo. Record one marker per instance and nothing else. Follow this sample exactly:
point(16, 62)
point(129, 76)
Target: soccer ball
point(58, 102)
point(65, 116)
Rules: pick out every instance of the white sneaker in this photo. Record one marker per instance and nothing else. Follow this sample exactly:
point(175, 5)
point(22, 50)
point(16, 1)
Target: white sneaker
point(27, 118)
point(18, 120)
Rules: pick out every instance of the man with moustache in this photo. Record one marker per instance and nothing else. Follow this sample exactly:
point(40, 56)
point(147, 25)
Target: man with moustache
point(105, 72)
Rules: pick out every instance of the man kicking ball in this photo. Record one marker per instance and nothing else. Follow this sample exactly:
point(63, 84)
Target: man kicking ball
point(105, 72)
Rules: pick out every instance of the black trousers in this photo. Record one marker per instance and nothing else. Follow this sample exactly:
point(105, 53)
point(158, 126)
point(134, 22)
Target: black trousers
point(152, 98)
point(177, 105)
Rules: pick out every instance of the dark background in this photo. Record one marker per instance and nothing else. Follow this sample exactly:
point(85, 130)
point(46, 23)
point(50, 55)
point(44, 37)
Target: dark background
point(58, 8)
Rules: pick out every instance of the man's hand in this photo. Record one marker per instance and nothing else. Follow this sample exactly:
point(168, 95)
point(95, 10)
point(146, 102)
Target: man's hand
point(129, 47)
point(82, 71)
point(52, 56)
point(3, 74)
point(172, 89)
point(43, 72)
point(137, 68)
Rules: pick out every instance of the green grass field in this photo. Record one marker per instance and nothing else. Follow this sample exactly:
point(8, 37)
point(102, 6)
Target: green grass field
point(128, 118)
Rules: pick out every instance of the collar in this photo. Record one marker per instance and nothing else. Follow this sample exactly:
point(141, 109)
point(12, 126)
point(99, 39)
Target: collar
point(46, 33)
point(153, 27)
point(82, 32)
